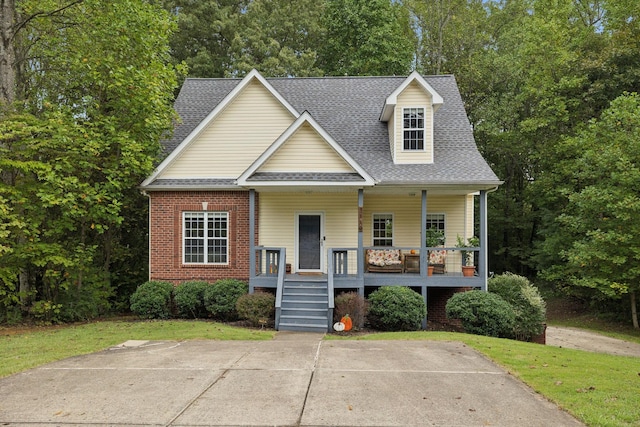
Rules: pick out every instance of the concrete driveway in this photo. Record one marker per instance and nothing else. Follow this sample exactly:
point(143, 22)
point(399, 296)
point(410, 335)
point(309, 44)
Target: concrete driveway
point(581, 339)
point(294, 380)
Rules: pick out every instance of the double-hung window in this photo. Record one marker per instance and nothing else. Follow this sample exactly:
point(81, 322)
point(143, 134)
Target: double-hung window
point(413, 129)
point(436, 227)
point(382, 230)
point(206, 238)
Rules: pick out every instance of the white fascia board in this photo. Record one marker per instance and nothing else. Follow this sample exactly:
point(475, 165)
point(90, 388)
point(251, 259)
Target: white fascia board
point(305, 117)
point(254, 74)
point(258, 184)
point(392, 99)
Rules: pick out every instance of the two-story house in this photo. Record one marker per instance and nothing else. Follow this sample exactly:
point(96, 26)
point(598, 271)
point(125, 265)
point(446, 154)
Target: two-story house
point(311, 186)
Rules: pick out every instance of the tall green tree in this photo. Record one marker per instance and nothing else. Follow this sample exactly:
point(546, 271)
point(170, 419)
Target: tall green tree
point(609, 67)
point(366, 37)
point(531, 93)
point(206, 30)
point(601, 219)
point(278, 38)
point(7, 51)
point(83, 133)
point(449, 33)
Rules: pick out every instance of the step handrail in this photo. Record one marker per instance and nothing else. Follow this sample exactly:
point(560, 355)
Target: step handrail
point(330, 299)
point(280, 285)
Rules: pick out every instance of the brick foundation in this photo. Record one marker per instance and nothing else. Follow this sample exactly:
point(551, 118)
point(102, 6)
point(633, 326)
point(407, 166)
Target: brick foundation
point(165, 223)
point(436, 304)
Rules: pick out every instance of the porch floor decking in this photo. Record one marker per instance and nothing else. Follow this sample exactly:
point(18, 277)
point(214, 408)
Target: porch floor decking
point(453, 279)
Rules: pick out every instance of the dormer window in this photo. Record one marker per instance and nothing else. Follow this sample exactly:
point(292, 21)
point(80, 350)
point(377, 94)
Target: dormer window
point(413, 129)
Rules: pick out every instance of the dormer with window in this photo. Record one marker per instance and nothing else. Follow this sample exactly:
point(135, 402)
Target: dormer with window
point(409, 112)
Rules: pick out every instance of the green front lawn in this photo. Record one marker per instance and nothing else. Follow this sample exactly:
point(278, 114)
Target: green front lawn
point(21, 351)
point(599, 389)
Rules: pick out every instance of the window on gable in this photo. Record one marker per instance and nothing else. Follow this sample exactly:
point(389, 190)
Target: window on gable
point(413, 128)
point(206, 237)
point(382, 230)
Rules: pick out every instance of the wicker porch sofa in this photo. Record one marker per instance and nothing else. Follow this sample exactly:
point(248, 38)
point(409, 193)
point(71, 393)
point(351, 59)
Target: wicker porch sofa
point(384, 261)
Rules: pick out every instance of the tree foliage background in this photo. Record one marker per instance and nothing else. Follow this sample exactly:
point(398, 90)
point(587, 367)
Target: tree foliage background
point(79, 129)
point(91, 83)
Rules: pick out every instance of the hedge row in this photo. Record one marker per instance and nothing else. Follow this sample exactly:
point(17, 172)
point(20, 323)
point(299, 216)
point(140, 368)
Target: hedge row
point(512, 308)
point(161, 300)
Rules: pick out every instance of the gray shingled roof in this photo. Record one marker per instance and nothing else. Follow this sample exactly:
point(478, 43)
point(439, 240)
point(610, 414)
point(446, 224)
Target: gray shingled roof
point(348, 108)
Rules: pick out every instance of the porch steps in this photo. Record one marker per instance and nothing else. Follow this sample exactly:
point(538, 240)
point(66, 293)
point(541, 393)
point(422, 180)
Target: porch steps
point(305, 306)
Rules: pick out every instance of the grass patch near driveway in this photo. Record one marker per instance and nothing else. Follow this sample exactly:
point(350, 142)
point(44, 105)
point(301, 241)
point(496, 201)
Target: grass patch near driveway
point(37, 346)
point(598, 389)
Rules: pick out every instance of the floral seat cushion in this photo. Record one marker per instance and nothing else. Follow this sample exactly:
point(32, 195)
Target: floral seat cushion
point(437, 257)
point(382, 257)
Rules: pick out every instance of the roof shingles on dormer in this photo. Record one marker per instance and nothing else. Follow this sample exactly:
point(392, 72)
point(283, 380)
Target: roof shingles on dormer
point(349, 110)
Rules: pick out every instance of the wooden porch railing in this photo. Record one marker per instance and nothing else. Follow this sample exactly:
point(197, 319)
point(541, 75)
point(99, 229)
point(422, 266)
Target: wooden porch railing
point(271, 262)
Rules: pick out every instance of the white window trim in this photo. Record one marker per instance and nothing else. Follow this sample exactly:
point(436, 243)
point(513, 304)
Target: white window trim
point(425, 139)
point(393, 225)
point(184, 238)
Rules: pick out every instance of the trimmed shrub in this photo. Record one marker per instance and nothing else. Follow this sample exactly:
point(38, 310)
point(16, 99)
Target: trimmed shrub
point(256, 307)
point(529, 307)
point(221, 298)
point(353, 304)
point(482, 313)
point(152, 300)
point(396, 308)
point(189, 299)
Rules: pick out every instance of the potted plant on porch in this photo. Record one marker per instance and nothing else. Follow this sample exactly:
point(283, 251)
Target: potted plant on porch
point(468, 269)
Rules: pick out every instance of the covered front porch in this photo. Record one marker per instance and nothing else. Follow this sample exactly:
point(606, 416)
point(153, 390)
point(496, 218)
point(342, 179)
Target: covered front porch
point(305, 302)
point(345, 271)
point(349, 268)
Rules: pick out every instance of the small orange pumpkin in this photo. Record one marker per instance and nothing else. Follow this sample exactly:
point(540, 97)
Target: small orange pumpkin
point(348, 324)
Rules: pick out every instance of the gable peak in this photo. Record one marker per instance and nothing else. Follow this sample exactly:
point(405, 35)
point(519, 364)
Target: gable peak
point(414, 77)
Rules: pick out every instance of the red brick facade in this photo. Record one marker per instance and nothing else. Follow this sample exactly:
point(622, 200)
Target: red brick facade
point(166, 228)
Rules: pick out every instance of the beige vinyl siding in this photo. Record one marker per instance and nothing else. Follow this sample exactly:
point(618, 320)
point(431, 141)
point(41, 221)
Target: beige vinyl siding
point(407, 229)
point(306, 151)
point(278, 219)
point(234, 139)
point(414, 97)
point(406, 217)
point(468, 232)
